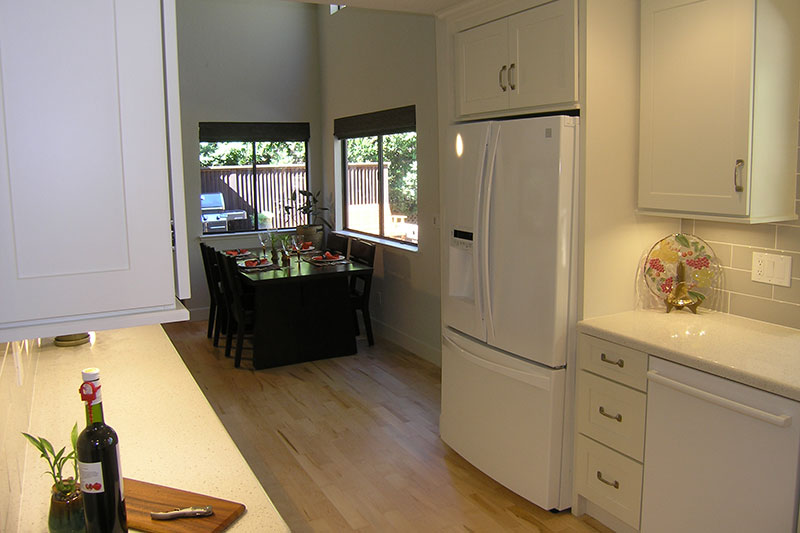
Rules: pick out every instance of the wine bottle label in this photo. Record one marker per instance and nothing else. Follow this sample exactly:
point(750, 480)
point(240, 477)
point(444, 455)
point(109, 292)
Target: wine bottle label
point(91, 477)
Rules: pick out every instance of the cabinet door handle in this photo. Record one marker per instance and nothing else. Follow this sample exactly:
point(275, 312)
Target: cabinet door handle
point(618, 416)
point(614, 483)
point(619, 362)
point(500, 78)
point(737, 175)
point(511, 70)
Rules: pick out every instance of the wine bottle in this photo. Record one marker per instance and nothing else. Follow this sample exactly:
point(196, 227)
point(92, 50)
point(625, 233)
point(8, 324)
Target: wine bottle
point(98, 464)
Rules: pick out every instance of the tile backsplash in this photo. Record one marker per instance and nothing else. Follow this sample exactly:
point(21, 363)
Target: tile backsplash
point(734, 245)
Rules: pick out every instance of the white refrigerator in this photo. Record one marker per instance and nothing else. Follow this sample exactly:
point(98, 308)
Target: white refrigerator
point(509, 302)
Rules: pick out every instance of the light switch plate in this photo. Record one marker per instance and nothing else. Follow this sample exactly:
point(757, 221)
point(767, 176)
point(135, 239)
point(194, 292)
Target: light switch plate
point(772, 268)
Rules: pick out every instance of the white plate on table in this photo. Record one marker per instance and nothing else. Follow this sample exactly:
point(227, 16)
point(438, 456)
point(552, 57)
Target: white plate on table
point(322, 259)
point(262, 264)
point(240, 253)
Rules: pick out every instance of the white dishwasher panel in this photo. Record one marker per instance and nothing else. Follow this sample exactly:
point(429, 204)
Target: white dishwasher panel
point(719, 456)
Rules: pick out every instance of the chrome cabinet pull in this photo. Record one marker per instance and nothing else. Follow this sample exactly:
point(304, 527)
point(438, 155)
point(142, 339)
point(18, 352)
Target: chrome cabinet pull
point(511, 70)
point(737, 175)
point(619, 362)
point(614, 484)
point(618, 416)
point(500, 78)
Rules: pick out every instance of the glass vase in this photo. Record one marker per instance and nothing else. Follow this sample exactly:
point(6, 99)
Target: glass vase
point(66, 512)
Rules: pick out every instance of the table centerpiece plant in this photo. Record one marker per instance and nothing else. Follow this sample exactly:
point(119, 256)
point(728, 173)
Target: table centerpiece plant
point(66, 501)
point(307, 203)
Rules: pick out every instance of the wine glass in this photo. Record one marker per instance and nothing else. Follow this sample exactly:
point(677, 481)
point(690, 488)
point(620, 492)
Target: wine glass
point(297, 241)
point(264, 238)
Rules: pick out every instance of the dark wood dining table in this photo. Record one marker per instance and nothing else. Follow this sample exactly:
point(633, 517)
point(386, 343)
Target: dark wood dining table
point(303, 312)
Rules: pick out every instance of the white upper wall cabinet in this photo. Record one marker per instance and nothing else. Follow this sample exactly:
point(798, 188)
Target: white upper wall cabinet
point(720, 90)
point(85, 210)
point(526, 61)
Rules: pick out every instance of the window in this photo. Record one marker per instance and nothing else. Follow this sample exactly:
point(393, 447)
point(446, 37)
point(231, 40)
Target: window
point(248, 172)
point(379, 154)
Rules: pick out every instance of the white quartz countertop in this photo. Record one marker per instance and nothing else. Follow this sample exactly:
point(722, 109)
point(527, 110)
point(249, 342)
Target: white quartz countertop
point(168, 432)
point(755, 353)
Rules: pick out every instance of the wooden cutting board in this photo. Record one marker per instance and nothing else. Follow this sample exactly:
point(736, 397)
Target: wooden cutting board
point(142, 497)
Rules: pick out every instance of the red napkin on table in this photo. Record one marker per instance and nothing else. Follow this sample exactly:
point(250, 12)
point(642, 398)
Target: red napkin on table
point(236, 252)
point(255, 262)
point(307, 245)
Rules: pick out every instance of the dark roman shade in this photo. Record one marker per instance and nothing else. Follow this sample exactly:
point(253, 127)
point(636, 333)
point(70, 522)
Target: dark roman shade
point(253, 131)
point(397, 120)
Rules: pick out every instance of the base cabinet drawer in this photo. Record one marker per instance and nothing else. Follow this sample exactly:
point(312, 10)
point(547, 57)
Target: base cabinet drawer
point(611, 360)
point(609, 479)
point(611, 414)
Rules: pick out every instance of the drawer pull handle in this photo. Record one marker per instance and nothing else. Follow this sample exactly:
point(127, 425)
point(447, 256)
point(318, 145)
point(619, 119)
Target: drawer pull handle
point(619, 362)
point(500, 78)
point(618, 417)
point(614, 483)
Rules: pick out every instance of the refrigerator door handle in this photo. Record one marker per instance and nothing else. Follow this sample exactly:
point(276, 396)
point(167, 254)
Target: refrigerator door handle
point(486, 201)
point(525, 377)
point(480, 234)
point(776, 420)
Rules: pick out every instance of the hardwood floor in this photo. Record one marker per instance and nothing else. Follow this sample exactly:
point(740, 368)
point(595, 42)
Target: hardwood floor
point(352, 443)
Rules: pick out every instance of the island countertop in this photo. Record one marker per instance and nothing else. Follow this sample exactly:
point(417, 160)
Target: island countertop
point(169, 434)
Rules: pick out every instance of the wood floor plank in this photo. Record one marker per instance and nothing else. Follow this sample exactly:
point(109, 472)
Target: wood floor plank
point(352, 443)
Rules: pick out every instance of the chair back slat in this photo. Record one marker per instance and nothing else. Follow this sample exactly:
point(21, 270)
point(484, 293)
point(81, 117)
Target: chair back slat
point(362, 252)
point(231, 285)
point(337, 242)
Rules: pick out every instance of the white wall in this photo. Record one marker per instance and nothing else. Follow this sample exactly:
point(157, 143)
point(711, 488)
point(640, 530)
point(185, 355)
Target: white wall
point(242, 61)
point(613, 236)
point(371, 61)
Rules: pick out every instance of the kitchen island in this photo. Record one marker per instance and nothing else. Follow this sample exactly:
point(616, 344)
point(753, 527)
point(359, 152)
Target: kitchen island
point(169, 434)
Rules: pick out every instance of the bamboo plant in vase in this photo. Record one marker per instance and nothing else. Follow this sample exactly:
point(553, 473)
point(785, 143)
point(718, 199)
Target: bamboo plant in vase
point(307, 203)
point(66, 501)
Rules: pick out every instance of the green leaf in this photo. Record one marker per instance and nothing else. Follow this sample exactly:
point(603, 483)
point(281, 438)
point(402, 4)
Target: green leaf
point(73, 437)
point(48, 446)
point(682, 240)
point(697, 295)
point(33, 440)
point(57, 456)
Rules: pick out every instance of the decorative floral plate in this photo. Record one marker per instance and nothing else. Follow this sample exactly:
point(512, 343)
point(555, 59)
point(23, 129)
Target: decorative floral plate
point(701, 272)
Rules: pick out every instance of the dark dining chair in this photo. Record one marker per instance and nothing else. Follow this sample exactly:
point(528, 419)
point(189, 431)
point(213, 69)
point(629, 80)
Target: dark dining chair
point(241, 312)
point(212, 305)
point(360, 284)
point(336, 242)
point(218, 307)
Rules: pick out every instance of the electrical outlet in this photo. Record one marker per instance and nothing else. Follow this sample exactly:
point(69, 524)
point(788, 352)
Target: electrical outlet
point(772, 268)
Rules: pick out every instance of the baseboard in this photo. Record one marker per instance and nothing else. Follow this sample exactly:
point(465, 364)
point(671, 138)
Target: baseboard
point(198, 313)
point(432, 354)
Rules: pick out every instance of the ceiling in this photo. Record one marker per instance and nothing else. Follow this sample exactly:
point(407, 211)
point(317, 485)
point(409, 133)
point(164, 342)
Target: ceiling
point(425, 7)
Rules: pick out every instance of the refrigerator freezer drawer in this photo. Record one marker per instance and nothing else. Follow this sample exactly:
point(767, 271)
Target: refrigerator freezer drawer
point(505, 416)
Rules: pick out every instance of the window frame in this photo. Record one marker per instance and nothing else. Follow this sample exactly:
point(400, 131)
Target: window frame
point(375, 124)
point(252, 133)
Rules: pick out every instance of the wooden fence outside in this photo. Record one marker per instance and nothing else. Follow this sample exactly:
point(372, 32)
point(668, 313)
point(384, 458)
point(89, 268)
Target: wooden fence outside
point(274, 185)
